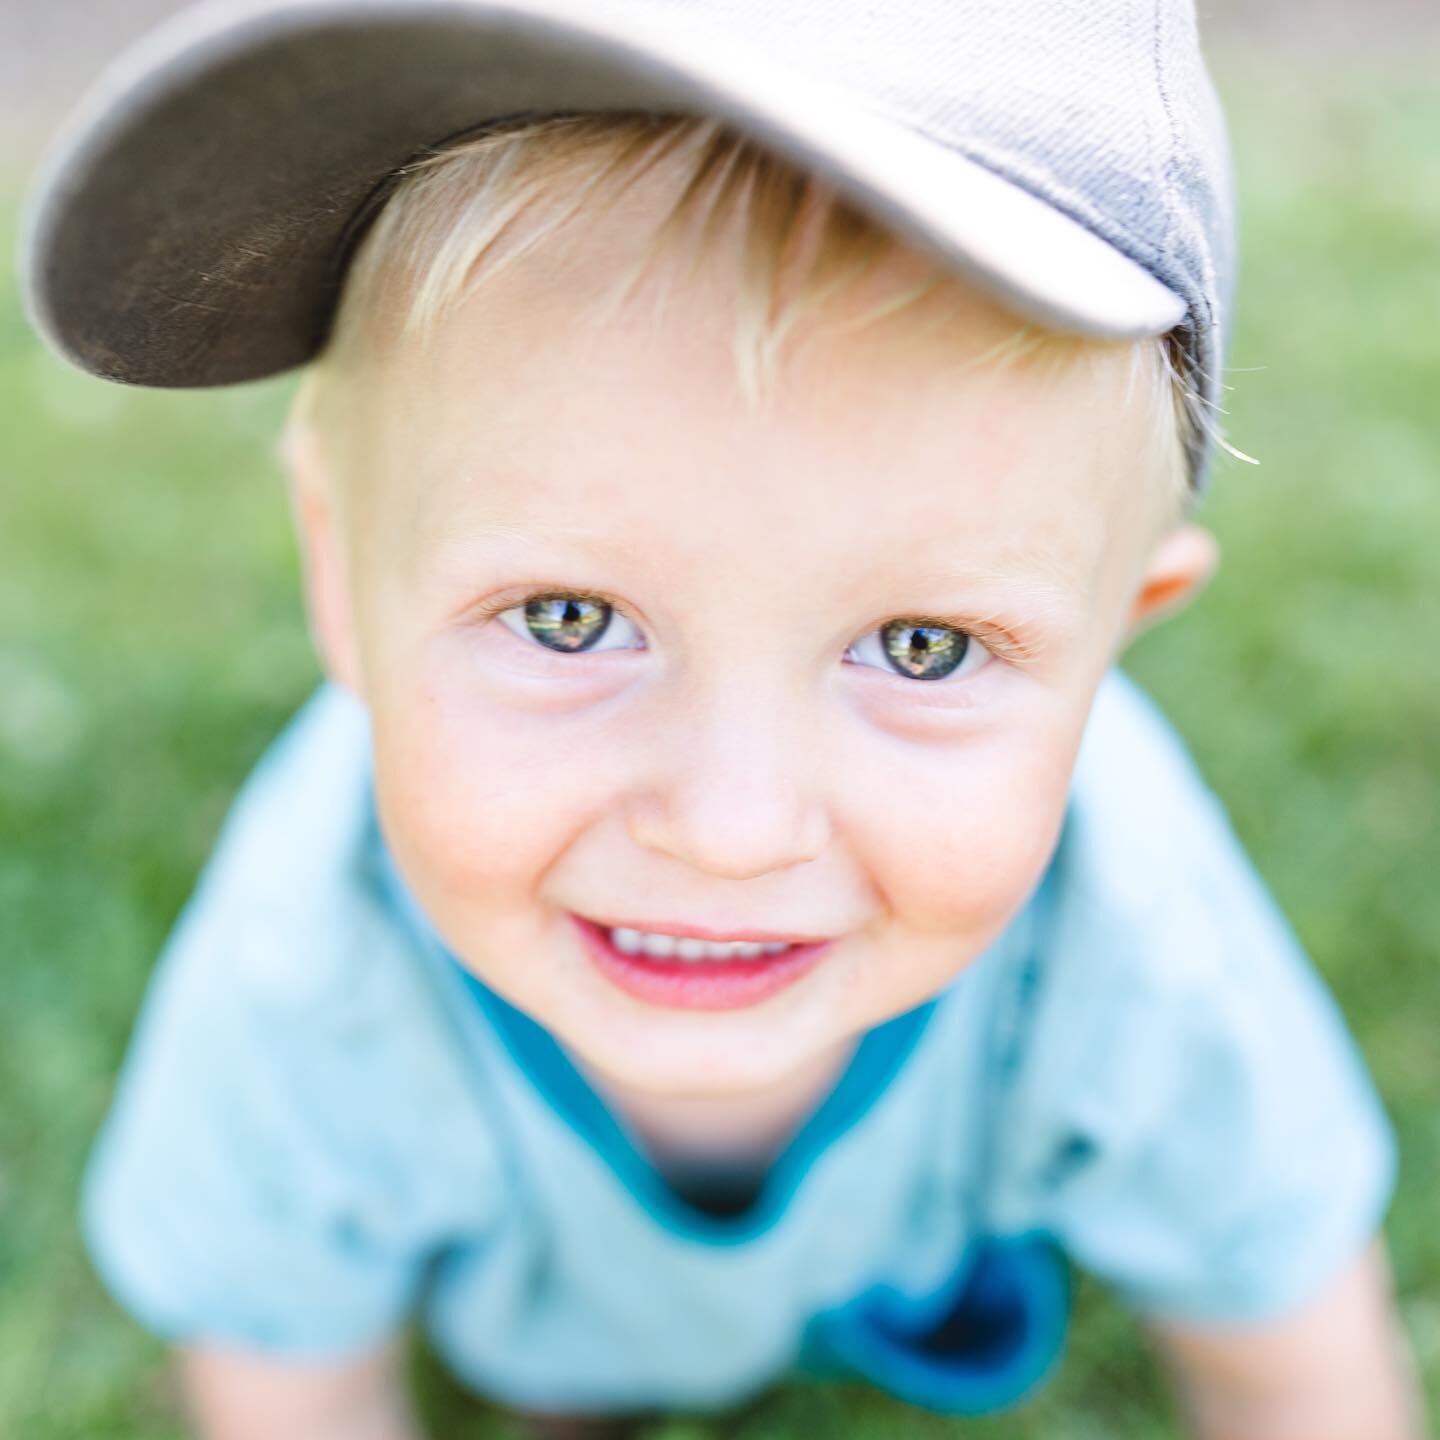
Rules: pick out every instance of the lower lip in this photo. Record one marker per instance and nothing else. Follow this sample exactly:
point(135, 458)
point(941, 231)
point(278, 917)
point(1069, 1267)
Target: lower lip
point(698, 984)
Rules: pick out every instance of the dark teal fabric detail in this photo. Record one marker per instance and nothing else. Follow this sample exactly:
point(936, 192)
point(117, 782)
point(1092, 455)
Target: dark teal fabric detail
point(876, 1061)
point(979, 1344)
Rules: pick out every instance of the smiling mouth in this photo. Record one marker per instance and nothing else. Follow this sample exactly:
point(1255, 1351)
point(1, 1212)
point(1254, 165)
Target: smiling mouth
point(695, 972)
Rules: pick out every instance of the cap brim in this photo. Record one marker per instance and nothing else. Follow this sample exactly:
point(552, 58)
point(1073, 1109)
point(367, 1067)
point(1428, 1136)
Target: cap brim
point(185, 226)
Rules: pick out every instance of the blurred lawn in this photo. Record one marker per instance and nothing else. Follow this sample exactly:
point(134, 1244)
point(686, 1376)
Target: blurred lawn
point(151, 643)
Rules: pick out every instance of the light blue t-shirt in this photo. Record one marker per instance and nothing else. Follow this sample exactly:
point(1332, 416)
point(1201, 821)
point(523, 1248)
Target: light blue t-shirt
point(326, 1127)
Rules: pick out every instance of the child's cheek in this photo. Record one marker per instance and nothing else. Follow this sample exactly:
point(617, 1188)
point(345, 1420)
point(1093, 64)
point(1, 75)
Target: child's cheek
point(962, 834)
point(479, 803)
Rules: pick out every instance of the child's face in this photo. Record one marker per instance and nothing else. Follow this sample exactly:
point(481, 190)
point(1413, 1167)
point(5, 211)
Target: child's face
point(733, 753)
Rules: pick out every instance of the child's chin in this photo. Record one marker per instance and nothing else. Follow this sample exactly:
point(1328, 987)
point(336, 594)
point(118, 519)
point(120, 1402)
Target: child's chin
point(700, 1055)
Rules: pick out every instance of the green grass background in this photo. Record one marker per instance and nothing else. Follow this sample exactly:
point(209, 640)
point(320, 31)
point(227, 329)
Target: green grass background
point(151, 643)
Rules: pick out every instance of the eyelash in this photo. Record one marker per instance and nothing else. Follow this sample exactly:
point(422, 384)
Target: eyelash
point(1001, 644)
point(487, 611)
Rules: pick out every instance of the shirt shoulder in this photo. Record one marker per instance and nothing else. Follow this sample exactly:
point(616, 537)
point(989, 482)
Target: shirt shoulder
point(281, 899)
point(264, 1172)
point(1190, 1114)
point(1151, 888)
point(1141, 817)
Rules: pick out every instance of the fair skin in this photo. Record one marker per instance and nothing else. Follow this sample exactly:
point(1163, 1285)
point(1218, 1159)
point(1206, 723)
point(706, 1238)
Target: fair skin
point(736, 753)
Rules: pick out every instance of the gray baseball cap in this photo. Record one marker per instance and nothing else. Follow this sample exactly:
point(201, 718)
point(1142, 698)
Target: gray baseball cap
point(191, 222)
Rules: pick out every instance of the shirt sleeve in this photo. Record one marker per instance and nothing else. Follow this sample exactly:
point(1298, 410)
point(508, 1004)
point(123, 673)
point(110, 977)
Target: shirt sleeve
point(1198, 1127)
point(241, 1188)
point(206, 1208)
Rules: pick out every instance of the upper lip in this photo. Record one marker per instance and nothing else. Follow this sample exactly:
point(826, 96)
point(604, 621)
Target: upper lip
point(685, 930)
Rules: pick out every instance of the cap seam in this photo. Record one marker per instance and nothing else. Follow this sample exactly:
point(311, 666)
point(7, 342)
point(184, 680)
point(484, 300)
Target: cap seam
point(1164, 165)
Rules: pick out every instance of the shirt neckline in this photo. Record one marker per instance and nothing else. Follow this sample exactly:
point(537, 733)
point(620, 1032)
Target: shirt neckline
point(876, 1060)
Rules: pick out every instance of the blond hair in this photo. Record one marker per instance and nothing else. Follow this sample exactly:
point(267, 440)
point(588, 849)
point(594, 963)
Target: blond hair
point(458, 217)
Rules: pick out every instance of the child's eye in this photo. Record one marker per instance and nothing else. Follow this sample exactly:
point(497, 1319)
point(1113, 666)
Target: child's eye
point(570, 623)
point(920, 650)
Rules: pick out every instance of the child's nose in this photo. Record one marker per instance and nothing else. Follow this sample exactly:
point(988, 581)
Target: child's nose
point(730, 793)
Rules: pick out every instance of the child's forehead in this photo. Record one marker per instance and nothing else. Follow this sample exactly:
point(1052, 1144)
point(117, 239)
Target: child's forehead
point(538, 356)
point(529, 431)
point(535, 403)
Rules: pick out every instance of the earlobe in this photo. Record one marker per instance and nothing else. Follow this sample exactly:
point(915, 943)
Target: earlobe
point(1180, 566)
point(327, 593)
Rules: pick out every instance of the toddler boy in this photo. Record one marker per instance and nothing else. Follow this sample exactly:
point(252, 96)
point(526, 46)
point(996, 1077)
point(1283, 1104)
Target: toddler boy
point(724, 913)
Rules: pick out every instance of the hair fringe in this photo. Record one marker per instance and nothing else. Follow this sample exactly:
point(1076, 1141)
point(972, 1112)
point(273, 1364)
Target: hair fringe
point(459, 217)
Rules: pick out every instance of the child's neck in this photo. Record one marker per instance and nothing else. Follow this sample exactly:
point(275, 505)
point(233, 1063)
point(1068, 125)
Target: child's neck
point(728, 1140)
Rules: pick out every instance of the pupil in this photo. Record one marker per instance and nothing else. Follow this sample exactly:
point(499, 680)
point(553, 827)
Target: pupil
point(924, 652)
point(566, 622)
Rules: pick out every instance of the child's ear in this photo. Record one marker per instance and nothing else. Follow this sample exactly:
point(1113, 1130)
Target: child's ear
point(1181, 563)
point(322, 553)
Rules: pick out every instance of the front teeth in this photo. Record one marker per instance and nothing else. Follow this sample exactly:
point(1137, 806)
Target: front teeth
point(673, 947)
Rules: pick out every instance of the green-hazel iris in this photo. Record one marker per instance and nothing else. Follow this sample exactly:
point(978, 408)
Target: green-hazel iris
point(923, 652)
point(566, 622)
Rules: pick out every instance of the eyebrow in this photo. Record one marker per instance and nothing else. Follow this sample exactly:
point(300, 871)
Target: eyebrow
point(1037, 579)
point(1047, 576)
point(1051, 584)
point(460, 543)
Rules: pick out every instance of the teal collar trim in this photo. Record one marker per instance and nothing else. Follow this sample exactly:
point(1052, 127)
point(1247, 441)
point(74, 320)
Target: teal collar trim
point(876, 1061)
